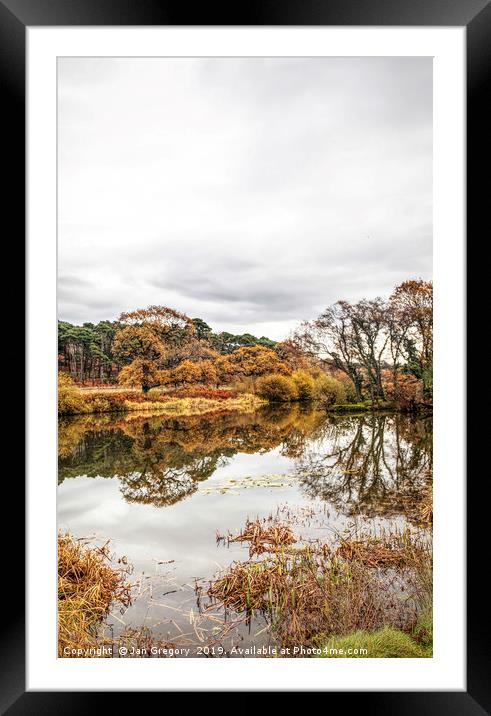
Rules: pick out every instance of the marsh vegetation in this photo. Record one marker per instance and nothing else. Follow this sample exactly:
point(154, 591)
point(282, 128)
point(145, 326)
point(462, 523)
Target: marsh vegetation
point(342, 504)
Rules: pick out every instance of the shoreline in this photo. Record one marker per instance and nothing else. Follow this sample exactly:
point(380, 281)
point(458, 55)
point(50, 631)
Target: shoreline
point(245, 403)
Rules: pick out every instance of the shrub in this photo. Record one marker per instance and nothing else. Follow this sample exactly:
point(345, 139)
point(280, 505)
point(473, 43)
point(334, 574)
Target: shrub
point(65, 380)
point(304, 383)
point(157, 395)
point(70, 402)
point(69, 398)
point(406, 391)
point(277, 388)
point(329, 390)
point(349, 390)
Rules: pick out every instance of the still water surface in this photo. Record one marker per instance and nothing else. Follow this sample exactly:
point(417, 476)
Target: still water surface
point(161, 489)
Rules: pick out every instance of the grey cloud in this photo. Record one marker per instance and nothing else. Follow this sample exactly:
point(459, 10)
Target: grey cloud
point(252, 192)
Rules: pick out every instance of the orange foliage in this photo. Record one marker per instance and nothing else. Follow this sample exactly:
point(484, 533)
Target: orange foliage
point(289, 352)
point(250, 362)
point(140, 372)
point(403, 389)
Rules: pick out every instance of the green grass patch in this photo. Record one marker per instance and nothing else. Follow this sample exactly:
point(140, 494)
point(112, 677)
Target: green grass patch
point(386, 643)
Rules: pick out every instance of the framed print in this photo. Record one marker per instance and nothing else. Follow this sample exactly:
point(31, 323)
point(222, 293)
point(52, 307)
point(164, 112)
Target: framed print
point(245, 351)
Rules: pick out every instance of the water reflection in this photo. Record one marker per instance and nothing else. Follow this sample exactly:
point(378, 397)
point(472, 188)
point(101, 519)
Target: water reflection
point(369, 464)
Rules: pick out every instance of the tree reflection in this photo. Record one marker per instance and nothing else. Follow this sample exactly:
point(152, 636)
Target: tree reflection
point(162, 460)
point(371, 463)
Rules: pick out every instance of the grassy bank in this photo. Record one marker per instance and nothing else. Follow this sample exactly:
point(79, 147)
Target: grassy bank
point(325, 392)
point(76, 401)
point(388, 643)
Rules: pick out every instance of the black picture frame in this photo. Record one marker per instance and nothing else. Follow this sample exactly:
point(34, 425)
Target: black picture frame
point(475, 15)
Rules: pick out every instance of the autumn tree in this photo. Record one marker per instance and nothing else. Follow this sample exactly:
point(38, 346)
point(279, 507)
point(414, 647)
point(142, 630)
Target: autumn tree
point(93, 351)
point(330, 339)
point(186, 373)
point(369, 336)
point(290, 352)
point(209, 372)
point(140, 373)
point(140, 351)
point(352, 338)
point(412, 307)
point(193, 349)
point(398, 328)
point(144, 340)
point(190, 373)
point(364, 339)
point(250, 362)
point(169, 325)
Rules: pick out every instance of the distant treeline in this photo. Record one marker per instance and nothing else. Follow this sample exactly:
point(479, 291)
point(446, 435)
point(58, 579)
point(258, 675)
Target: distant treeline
point(380, 350)
point(86, 352)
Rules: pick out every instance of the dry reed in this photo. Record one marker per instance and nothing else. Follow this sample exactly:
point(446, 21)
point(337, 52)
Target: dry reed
point(303, 590)
point(264, 539)
point(89, 586)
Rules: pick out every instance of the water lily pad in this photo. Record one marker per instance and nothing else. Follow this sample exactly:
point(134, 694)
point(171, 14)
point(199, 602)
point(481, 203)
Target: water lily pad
point(234, 485)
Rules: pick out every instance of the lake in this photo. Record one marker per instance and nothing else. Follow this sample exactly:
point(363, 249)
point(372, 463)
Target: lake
point(168, 490)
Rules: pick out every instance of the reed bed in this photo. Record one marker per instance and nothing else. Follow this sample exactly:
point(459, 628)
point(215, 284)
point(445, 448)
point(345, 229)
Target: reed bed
point(89, 586)
point(299, 593)
point(363, 583)
point(393, 550)
point(92, 585)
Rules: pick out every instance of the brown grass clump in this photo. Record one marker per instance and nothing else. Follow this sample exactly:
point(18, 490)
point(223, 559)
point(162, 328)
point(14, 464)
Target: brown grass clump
point(246, 586)
point(88, 588)
point(377, 552)
point(264, 539)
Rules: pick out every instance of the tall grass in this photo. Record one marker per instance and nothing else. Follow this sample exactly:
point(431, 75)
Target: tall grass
point(89, 586)
point(364, 583)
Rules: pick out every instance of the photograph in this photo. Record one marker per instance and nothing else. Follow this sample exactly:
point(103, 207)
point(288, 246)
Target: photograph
point(247, 461)
point(245, 357)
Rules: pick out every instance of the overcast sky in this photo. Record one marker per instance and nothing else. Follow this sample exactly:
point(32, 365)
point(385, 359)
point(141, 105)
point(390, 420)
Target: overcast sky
point(249, 192)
